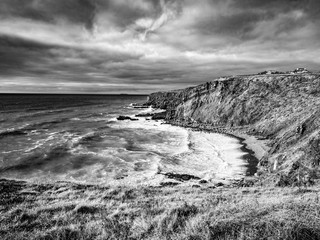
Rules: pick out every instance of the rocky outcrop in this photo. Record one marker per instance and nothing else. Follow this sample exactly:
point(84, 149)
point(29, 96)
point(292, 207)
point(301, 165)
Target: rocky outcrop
point(268, 72)
point(284, 108)
point(144, 115)
point(164, 100)
point(159, 116)
point(122, 118)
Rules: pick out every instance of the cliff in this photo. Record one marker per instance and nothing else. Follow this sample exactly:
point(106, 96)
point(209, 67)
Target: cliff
point(283, 108)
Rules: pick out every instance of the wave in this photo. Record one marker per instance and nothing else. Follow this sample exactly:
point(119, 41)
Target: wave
point(37, 160)
point(30, 128)
point(47, 124)
point(45, 112)
point(12, 132)
point(137, 106)
point(91, 137)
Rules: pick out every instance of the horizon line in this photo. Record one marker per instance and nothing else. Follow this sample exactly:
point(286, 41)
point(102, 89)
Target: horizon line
point(49, 93)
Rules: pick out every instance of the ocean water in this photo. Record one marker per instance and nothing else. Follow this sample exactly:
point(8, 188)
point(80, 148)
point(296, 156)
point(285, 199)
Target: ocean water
point(78, 138)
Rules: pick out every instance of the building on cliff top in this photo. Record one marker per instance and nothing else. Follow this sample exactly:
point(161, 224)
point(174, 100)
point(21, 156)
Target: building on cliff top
point(299, 70)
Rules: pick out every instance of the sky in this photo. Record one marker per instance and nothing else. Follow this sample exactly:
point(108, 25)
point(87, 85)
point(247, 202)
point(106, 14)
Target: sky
point(144, 46)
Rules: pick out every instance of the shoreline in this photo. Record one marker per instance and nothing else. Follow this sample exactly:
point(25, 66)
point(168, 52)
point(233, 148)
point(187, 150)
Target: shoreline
point(253, 148)
point(249, 156)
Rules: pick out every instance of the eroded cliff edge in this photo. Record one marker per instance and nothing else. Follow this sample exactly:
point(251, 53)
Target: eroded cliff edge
point(283, 108)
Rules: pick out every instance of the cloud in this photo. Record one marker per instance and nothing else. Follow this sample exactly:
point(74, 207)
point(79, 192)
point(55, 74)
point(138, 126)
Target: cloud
point(75, 11)
point(147, 45)
point(169, 11)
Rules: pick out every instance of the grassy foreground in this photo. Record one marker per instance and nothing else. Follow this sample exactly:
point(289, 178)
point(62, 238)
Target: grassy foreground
point(73, 211)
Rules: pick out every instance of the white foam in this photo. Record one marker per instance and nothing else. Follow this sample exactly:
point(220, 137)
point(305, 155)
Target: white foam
point(175, 139)
point(213, 156)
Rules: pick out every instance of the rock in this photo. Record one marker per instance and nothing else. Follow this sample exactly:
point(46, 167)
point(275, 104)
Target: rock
point(164, 100)
point(144, 115)
point(268, 72)
point(219, 184)
point(122, 118)
point(181, 177)
point(159, 116)
point(243, 183)
point(203, 181)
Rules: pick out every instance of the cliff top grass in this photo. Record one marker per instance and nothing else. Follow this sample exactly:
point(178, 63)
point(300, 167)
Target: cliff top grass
point(73, 211)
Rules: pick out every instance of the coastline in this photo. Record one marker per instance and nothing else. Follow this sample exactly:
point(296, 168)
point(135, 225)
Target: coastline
point(214, 159)
point(225, 162)
point(238, 159)
point(190, 209)
point(258, 146)
point(250, 156)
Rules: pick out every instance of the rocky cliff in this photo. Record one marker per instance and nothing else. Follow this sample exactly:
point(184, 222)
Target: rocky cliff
point(284, 108)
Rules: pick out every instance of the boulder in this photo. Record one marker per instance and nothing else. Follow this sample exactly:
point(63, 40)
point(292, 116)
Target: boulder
point(122, 118)
point(159, 116)
point(181, 177)
point(144, 115)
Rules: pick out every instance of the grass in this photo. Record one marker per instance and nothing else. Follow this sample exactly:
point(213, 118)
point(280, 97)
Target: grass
point(72, 211)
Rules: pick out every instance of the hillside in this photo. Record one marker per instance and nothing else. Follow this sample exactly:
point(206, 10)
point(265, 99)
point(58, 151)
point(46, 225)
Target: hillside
point(77, 211)
point(281, 108)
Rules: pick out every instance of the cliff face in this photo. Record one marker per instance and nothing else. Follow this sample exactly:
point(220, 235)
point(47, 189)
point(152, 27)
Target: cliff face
point(283, 108)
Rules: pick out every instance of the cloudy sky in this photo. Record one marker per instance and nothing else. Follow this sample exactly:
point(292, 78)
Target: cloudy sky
point(142, 46)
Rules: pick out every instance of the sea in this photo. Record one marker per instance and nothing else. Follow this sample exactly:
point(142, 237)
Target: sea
point(78, 138)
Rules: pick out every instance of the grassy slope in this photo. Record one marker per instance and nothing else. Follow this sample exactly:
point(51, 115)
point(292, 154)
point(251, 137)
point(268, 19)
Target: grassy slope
point(72, 211)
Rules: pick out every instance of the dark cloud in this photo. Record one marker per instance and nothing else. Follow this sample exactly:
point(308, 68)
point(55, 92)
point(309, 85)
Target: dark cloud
point(147, 45)
point(17, 54)
point(239, 25)
point(276, 5)
point(243, 16)
point(76, 11)
point(123, 14)
point(22, 57)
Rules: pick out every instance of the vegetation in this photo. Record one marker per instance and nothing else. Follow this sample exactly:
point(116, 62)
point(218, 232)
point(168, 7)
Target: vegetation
point(73, 211)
